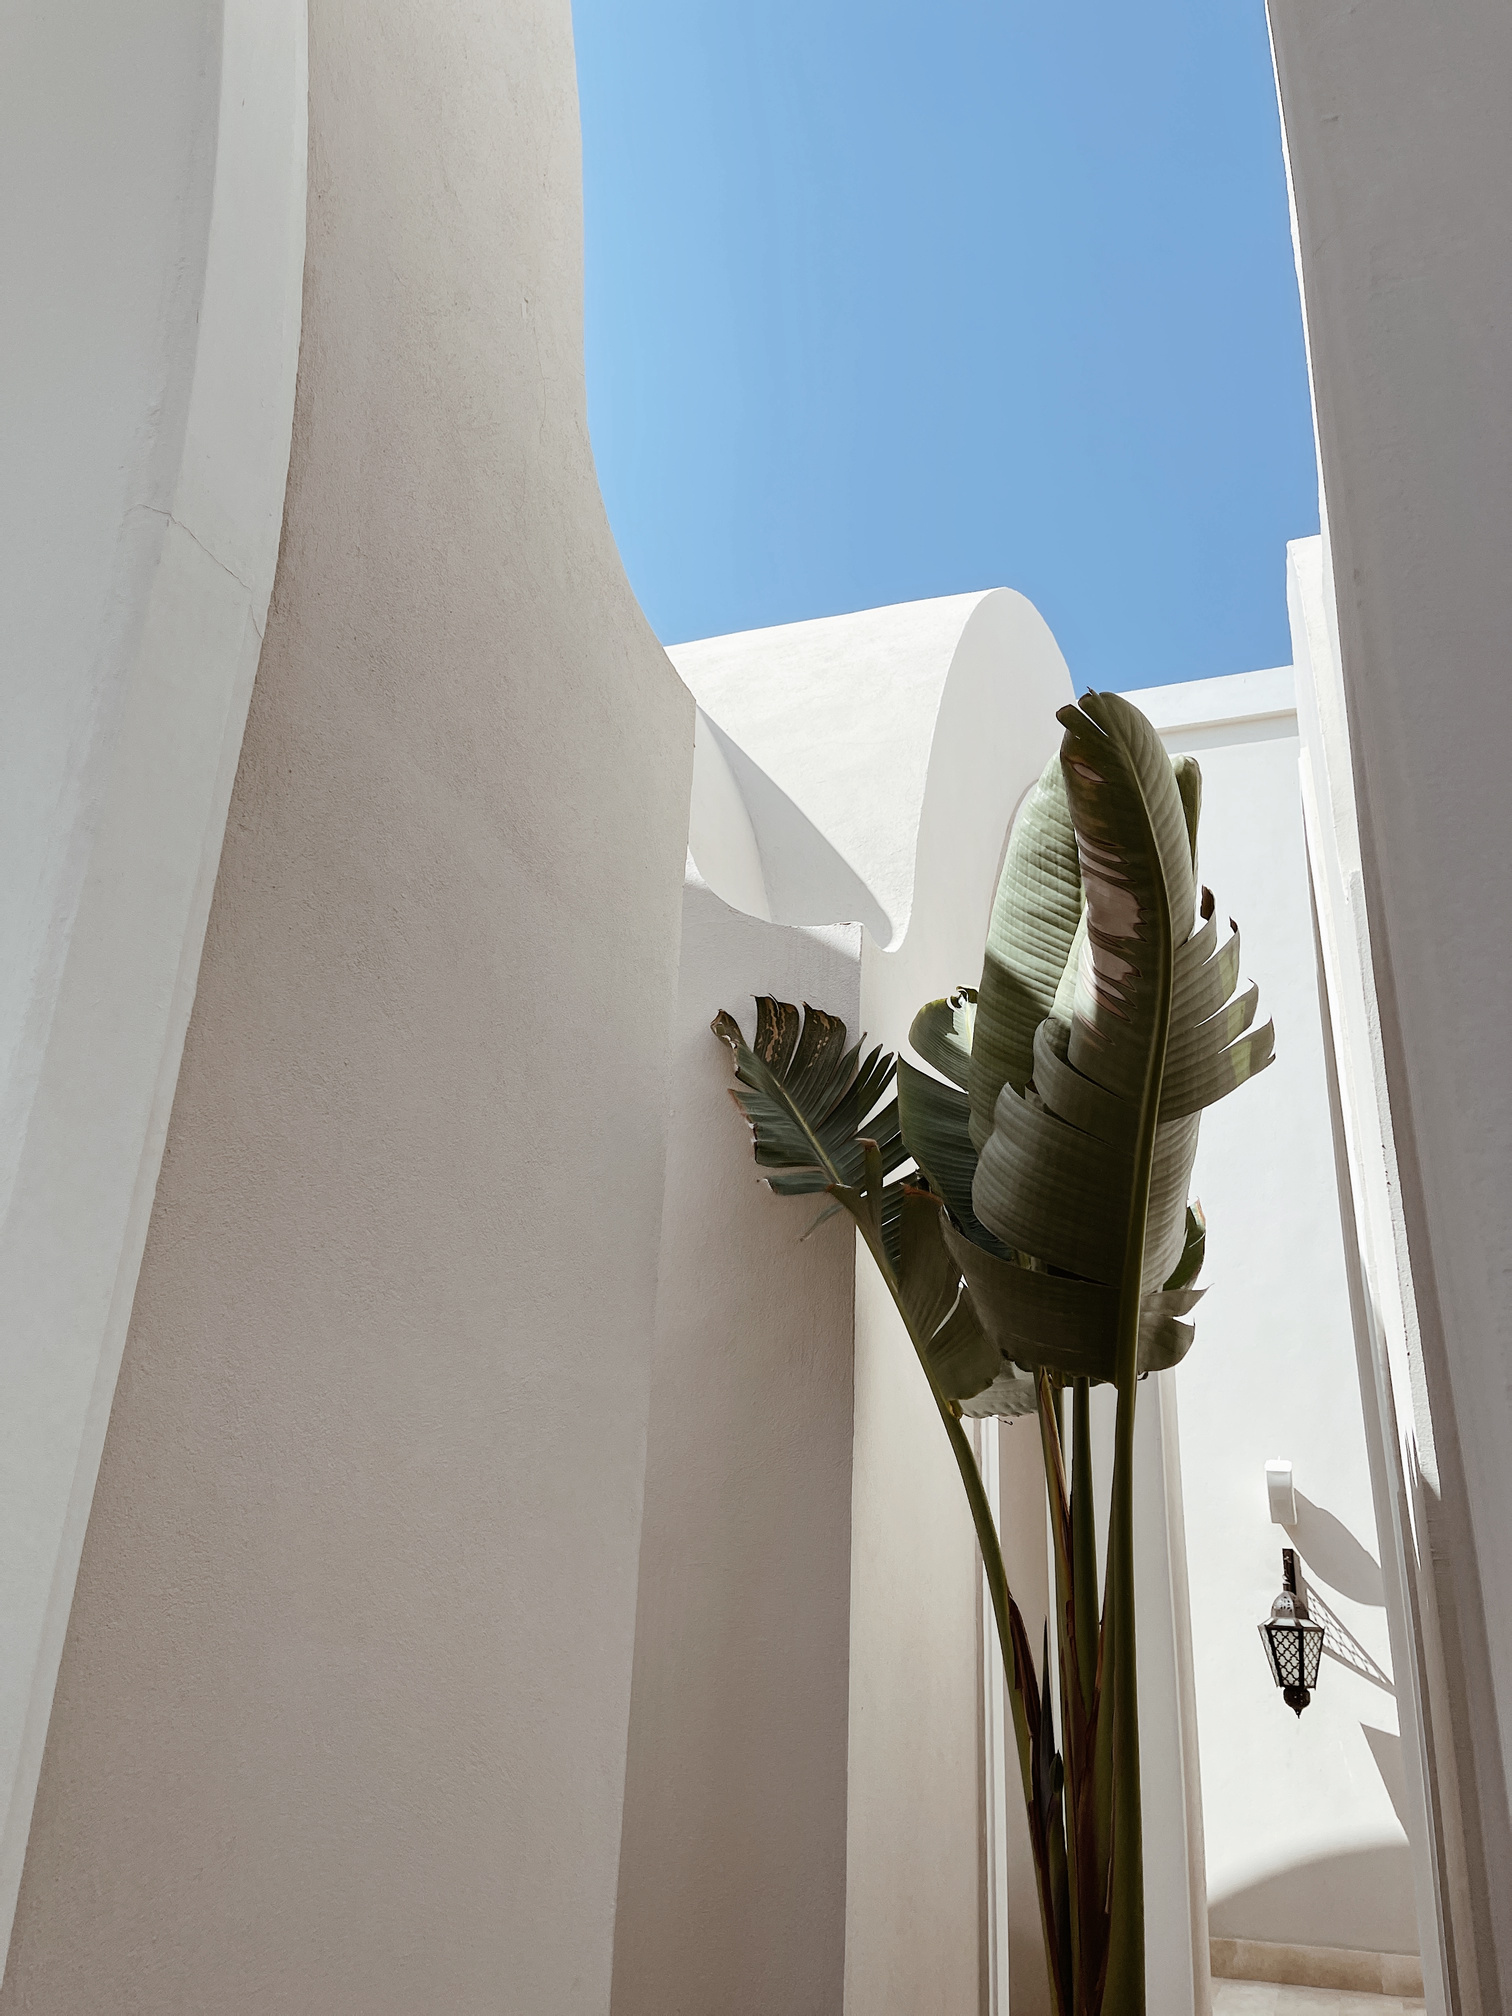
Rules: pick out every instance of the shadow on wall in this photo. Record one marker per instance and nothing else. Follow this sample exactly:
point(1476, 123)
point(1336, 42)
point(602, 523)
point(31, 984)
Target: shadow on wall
point(1369, 1889)
point(805, 879)
point(1334, 1555)
point(1386, 1749)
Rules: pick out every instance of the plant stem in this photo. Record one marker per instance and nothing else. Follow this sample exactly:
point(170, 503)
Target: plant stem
point(1083, 1540)
point(997, 1583)
point(1124, 1993)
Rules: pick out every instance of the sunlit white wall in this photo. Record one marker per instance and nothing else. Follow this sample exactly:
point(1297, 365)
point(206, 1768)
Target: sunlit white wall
point(1304, 1843)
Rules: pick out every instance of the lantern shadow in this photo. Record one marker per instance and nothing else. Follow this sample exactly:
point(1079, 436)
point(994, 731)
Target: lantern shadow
point(1340, 1643)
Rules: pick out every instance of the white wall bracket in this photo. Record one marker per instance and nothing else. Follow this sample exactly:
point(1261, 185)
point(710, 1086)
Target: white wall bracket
point(1281, 1491)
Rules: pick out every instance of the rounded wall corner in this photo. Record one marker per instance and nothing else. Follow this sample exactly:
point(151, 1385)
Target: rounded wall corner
point(994, 730)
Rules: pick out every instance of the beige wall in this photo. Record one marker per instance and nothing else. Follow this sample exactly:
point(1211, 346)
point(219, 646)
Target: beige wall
point(340, 1723)
point(732, 1866)
point(915, 1940)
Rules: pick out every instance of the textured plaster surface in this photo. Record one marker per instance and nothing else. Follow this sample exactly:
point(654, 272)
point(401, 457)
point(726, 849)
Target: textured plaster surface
point(732, 1867)
point(342, 1712)
point(152, 243)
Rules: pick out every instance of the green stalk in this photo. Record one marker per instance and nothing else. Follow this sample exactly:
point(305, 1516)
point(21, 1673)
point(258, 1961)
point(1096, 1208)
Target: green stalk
point(1124, 1991)
point(1052, 1451)
point(997, 1584)
point(1102, 1766)
point(1083, 1540)
point(1080, 1688)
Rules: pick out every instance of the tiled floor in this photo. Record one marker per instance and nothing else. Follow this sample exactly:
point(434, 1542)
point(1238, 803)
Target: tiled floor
point(1259, 1998)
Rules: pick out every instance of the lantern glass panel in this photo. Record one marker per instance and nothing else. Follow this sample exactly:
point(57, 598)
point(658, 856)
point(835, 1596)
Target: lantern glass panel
point(1283, 1649)
point(1293, 1643)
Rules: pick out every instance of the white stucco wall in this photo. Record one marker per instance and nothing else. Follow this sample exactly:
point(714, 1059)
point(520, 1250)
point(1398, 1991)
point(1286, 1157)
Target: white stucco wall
point(152, 242)
point(341, 1718)
point(1400, 155)
point(1177, 1954)
point(1379, 1265)
point(1304, 1843)
point(732, 1858)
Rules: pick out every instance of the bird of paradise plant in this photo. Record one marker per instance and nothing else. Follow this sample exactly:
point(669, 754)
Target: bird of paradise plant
point(1027, 1208)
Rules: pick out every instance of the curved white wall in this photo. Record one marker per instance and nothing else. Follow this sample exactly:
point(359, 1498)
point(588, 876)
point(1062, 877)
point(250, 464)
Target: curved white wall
point(842, 718)
point(721, 838)
point(152, 243)
point(341, 1717)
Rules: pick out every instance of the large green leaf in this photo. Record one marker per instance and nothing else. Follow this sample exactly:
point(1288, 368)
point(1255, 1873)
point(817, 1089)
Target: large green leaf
point(1010, 1394)
point(1084, 1178)
point(1188, 775)
point(1067, 1325)
point(1194, 1250)
point(1034, 918)
point(963, 1360)
point(810, 1100)
point(935, 1123)
point(934, 1120)
point(1054, 1176)
point(1136, 867)
point(943, 1032)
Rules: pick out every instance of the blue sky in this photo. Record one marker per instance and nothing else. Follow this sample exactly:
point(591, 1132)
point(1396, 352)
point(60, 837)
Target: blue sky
point(888, 301)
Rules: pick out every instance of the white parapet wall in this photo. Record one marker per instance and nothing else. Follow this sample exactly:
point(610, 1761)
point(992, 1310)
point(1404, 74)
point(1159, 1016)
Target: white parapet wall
point(152, 242)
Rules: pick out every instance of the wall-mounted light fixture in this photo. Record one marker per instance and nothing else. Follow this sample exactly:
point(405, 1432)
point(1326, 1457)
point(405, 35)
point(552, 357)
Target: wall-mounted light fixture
point(1293, 1643)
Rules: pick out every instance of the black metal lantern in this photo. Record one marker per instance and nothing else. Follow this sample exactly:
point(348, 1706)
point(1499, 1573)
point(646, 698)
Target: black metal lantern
point(1293, 1643)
